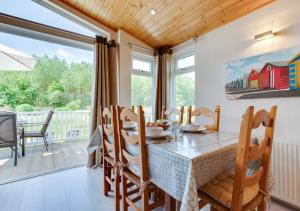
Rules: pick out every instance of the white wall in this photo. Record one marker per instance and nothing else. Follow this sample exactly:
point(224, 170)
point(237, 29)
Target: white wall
point(125, 64)
point(236, 40)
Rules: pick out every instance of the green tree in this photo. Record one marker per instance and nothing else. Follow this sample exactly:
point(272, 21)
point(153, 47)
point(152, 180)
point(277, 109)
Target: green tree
point(77, 82)
point(141, 91)
point(52, 82)
point(17, 88)
point(185, 89)
point(48, 70)
point(57, 99)
point(55, 86)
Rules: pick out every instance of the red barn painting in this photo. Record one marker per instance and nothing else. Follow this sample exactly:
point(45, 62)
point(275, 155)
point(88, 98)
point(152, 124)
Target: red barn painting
point(274, 75)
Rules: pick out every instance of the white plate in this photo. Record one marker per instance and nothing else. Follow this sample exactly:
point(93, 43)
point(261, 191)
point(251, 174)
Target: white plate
point(129, 125)
point(198, 130)
point(164, 134)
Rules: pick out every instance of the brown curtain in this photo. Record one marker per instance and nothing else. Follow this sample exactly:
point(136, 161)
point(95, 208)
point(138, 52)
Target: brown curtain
point(105, 84)
point(163, 55)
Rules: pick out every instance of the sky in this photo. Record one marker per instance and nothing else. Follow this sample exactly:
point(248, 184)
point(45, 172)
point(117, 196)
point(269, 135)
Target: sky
point(29, 10)
point(237, 69)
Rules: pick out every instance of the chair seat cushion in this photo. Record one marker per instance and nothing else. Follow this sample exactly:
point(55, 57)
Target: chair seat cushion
point(33, 134)
point(220, 189)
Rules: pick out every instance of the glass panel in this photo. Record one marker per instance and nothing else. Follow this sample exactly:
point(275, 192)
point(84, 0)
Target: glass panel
point(53, 75)
point(186, 62)
point(185, 89)
point(34, 76)
point(141, 65)
point(142, 93)
point(32, 11)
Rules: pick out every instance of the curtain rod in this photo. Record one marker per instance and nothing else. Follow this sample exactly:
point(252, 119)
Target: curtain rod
point(137, 46)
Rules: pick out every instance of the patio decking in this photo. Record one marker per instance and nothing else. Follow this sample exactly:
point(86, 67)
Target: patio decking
point(37, 160)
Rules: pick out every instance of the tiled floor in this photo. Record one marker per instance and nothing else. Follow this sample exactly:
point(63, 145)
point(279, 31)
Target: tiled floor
point(38, 160)
point(77, 189)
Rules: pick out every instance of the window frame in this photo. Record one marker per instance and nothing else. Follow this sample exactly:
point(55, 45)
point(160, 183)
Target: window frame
point(142, 58)
point(180, 71)
point(145, 58)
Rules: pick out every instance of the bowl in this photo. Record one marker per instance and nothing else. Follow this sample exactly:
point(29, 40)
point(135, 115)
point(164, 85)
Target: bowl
point(192, 126)
point(154, 131)
point(163, 121)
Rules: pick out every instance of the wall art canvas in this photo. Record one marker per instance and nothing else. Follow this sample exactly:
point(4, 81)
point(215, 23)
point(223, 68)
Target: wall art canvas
point(270, 75)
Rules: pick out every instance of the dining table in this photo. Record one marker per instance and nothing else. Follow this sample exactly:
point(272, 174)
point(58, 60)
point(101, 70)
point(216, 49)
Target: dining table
point(179, 166)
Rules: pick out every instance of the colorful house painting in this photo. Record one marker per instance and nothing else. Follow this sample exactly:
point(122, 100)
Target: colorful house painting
point(245, 81)
point(269, 75)
point(253, 79)
point(274, 75)
point(294, 72)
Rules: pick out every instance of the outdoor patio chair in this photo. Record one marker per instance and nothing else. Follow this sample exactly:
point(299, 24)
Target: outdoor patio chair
point(8, 132)
point(36, 134)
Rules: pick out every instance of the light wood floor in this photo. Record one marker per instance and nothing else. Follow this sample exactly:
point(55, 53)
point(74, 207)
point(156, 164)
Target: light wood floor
point(37, 160)
point(77, 189)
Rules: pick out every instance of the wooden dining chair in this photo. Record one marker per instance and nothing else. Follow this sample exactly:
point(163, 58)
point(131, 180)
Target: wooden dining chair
point(110, 144)
point(133, 155)
point(166, 112)
point(239, 191)
point(215, 115)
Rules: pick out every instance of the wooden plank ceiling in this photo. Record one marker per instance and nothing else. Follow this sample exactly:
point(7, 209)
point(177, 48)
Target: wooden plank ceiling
point(175, 21)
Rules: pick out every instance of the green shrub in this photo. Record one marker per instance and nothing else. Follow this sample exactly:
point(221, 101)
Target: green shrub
point(57, 99)
point(62, 109)
point(74, 105)
point(24, 107)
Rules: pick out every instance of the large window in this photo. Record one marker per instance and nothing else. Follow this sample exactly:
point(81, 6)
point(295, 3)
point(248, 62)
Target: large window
point(60, 76)
point(39, 71)
point(183, 83)
point(142, 83)
point(29, 10)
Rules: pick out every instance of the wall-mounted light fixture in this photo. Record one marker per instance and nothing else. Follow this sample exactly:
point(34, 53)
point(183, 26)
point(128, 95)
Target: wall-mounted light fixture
point(153, 11)
point(265, 35)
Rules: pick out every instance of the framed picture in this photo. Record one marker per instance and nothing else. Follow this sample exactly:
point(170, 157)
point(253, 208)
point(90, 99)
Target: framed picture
point(270, 75)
